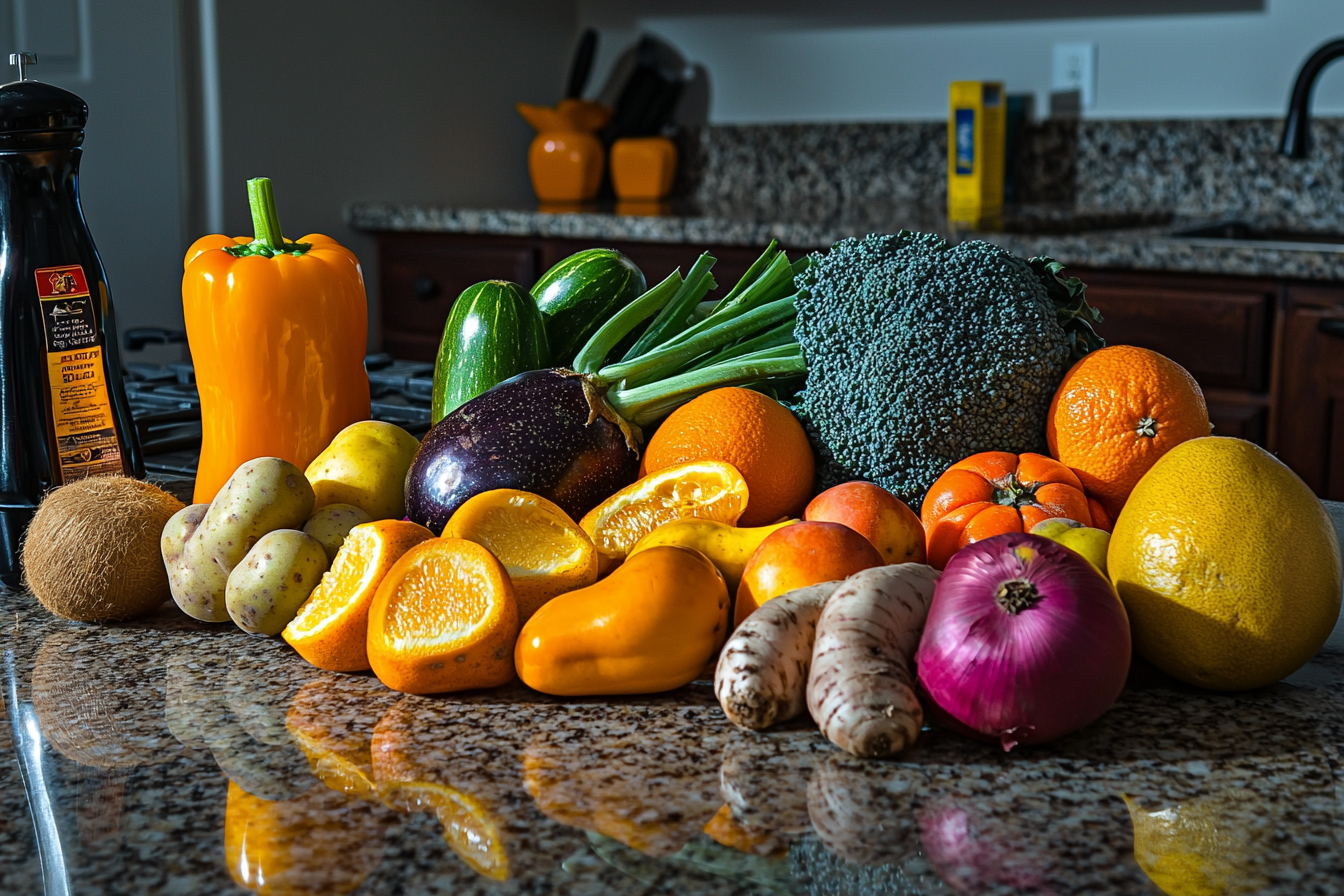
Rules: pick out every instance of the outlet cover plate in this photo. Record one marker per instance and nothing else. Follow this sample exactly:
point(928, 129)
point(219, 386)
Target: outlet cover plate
point(1075, 68)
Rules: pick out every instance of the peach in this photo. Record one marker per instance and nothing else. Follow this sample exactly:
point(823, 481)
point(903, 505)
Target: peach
point(877, 515)
point(800, 555)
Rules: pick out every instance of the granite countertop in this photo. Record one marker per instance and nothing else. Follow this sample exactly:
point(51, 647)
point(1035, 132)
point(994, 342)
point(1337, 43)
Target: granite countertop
point(170, 756)
point(1078, 237)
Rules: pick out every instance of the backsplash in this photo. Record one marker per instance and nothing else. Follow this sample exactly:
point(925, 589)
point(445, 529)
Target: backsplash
point(1191, 168)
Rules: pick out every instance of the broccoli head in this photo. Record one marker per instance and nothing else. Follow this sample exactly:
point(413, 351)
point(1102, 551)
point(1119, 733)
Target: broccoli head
point(921, 353)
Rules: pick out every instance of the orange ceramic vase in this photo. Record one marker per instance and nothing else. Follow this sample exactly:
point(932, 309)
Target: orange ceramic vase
point(643, 167)
point(565, 159)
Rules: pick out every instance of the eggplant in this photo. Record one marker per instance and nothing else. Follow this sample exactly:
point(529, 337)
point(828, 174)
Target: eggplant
point(549, 432)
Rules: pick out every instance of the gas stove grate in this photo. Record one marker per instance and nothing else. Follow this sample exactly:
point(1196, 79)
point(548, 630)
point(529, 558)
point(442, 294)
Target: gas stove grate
point(166, 408)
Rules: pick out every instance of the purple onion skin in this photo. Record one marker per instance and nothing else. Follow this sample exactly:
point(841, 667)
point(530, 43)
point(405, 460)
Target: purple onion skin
point(1031, 676)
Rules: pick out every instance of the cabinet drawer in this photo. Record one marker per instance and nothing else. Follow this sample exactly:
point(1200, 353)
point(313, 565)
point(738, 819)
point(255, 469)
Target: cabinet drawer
point(421, 277)
point(1220, 335)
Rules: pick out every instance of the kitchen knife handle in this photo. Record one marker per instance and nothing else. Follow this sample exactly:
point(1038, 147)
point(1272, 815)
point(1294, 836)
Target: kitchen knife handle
point(582, 65)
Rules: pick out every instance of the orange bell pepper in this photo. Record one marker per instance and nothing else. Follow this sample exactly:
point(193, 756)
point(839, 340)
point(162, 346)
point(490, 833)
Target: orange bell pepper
point(277, 331)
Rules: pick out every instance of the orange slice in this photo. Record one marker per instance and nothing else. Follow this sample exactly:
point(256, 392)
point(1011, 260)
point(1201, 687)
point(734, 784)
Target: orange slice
point(724, 828)
point(545, 552)
point(702, 489)
point(444, 619)
point(332, 627)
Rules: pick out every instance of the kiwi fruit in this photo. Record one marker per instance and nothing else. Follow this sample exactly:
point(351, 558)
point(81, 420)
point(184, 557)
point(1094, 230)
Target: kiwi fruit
point(92, 552)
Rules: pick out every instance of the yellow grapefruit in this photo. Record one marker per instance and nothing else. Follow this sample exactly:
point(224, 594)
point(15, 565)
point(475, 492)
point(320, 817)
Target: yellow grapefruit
point(1228, 566)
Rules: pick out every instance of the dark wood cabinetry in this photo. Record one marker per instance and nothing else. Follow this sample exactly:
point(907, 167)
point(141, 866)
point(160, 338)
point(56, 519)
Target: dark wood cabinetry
point(1269, 354)
point(1311, 409)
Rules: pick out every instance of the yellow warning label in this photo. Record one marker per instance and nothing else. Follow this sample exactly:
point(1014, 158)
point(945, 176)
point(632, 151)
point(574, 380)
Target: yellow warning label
point(81, 410)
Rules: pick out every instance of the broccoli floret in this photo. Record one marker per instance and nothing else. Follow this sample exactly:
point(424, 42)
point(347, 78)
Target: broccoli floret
point(920, 354)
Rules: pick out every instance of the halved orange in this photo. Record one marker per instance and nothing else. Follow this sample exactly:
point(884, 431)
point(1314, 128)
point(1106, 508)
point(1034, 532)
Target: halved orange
point(545, 552)
point(701, 489)
point(444, 619)
point(332, 627)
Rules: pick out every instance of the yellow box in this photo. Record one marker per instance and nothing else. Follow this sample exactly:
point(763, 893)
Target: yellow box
point(976, 124)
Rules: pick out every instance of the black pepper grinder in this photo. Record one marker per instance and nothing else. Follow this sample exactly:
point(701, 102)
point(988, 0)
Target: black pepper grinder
point(63, 410)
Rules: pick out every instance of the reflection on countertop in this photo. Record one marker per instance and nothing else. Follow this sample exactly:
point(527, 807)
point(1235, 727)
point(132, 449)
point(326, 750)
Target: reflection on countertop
point(179, 757)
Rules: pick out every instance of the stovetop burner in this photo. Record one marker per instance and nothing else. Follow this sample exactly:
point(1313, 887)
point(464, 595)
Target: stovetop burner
point(167, 409)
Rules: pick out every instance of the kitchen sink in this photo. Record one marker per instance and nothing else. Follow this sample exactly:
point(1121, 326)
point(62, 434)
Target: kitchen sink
point(1233, 232)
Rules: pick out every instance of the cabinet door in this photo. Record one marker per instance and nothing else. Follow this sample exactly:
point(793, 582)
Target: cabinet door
point(1311, 408)
point(1218, 330)
point(423, 274)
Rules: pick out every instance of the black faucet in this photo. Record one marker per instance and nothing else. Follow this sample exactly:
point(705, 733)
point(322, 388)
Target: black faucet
point(1295, 126)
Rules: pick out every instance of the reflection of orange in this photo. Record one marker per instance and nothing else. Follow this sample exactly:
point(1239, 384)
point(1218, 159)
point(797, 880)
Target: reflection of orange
point(471, 784)
point(623, 790)
point(319, 842)
point(726, 829)
point(323, 719)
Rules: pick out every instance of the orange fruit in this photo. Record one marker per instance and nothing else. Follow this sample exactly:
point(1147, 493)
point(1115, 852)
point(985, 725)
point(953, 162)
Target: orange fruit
point(876, 514)
point(330, 721)
point(1116, 412)
point(806, 553)
point(751, 431)
point(332, 627)
point(706, 490)
point(444, 619)
point(545, 551)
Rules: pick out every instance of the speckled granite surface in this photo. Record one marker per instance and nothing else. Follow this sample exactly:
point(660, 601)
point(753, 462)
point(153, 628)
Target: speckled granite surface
point(184, 758)
point(1093, 193)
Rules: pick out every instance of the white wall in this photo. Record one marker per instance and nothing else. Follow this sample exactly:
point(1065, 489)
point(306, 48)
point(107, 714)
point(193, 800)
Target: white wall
point(1239, 62)
point(400, 100)
point(131, 183)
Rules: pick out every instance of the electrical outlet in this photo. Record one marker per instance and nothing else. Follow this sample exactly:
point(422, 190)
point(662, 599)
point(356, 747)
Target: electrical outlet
point(1075, 68)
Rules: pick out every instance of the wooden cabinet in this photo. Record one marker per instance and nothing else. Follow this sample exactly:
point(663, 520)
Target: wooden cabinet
point(1268, 354)
point(1311, 412)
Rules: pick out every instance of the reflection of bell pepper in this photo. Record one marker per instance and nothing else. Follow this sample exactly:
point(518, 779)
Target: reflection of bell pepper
point(277, 331)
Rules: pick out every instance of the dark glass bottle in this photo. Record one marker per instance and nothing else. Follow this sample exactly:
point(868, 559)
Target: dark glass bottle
point(63, 410)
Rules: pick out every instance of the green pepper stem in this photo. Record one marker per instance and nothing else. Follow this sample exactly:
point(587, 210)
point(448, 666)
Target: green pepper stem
point(265, 218)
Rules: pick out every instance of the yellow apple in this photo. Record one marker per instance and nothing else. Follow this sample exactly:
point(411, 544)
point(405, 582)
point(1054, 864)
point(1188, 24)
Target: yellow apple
point(1091, 543)
point(365, 465)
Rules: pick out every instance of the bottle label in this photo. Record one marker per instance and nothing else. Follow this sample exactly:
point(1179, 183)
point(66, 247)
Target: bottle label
point(81, 410)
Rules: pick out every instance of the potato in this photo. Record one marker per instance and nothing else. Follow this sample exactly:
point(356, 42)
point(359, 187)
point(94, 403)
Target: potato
point(201, 544)
point(196, 581)
point(261, 496)
point(330, 524)
point(266, 590)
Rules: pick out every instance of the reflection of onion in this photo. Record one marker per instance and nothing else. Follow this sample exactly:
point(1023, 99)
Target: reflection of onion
point(974, 853)
point(1025, 641)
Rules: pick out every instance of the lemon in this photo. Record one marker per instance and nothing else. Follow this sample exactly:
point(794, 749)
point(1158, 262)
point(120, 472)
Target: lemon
point(1228, 566)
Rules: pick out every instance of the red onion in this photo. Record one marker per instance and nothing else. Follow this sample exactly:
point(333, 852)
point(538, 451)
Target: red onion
point(1025, 641)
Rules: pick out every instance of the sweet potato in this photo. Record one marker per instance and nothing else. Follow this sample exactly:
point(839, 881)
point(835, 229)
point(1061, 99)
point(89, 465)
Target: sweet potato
point(762, 671)
point(861, 688)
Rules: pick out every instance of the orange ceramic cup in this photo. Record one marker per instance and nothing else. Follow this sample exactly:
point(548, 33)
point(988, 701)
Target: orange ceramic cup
point(643, 167)
point(566, 166)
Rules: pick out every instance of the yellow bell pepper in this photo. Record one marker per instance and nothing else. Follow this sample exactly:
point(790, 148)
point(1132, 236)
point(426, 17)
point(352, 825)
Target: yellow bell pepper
point(277, 331)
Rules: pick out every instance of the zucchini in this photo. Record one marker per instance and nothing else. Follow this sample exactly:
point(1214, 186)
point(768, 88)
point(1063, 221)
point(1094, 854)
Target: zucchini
point(580, 293)
point(493, 333)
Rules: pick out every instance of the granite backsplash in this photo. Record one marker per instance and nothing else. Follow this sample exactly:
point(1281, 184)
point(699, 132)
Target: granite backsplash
point(1190, 168)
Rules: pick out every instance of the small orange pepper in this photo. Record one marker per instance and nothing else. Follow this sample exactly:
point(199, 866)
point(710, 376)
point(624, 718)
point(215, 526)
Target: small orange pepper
point(277, 331)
